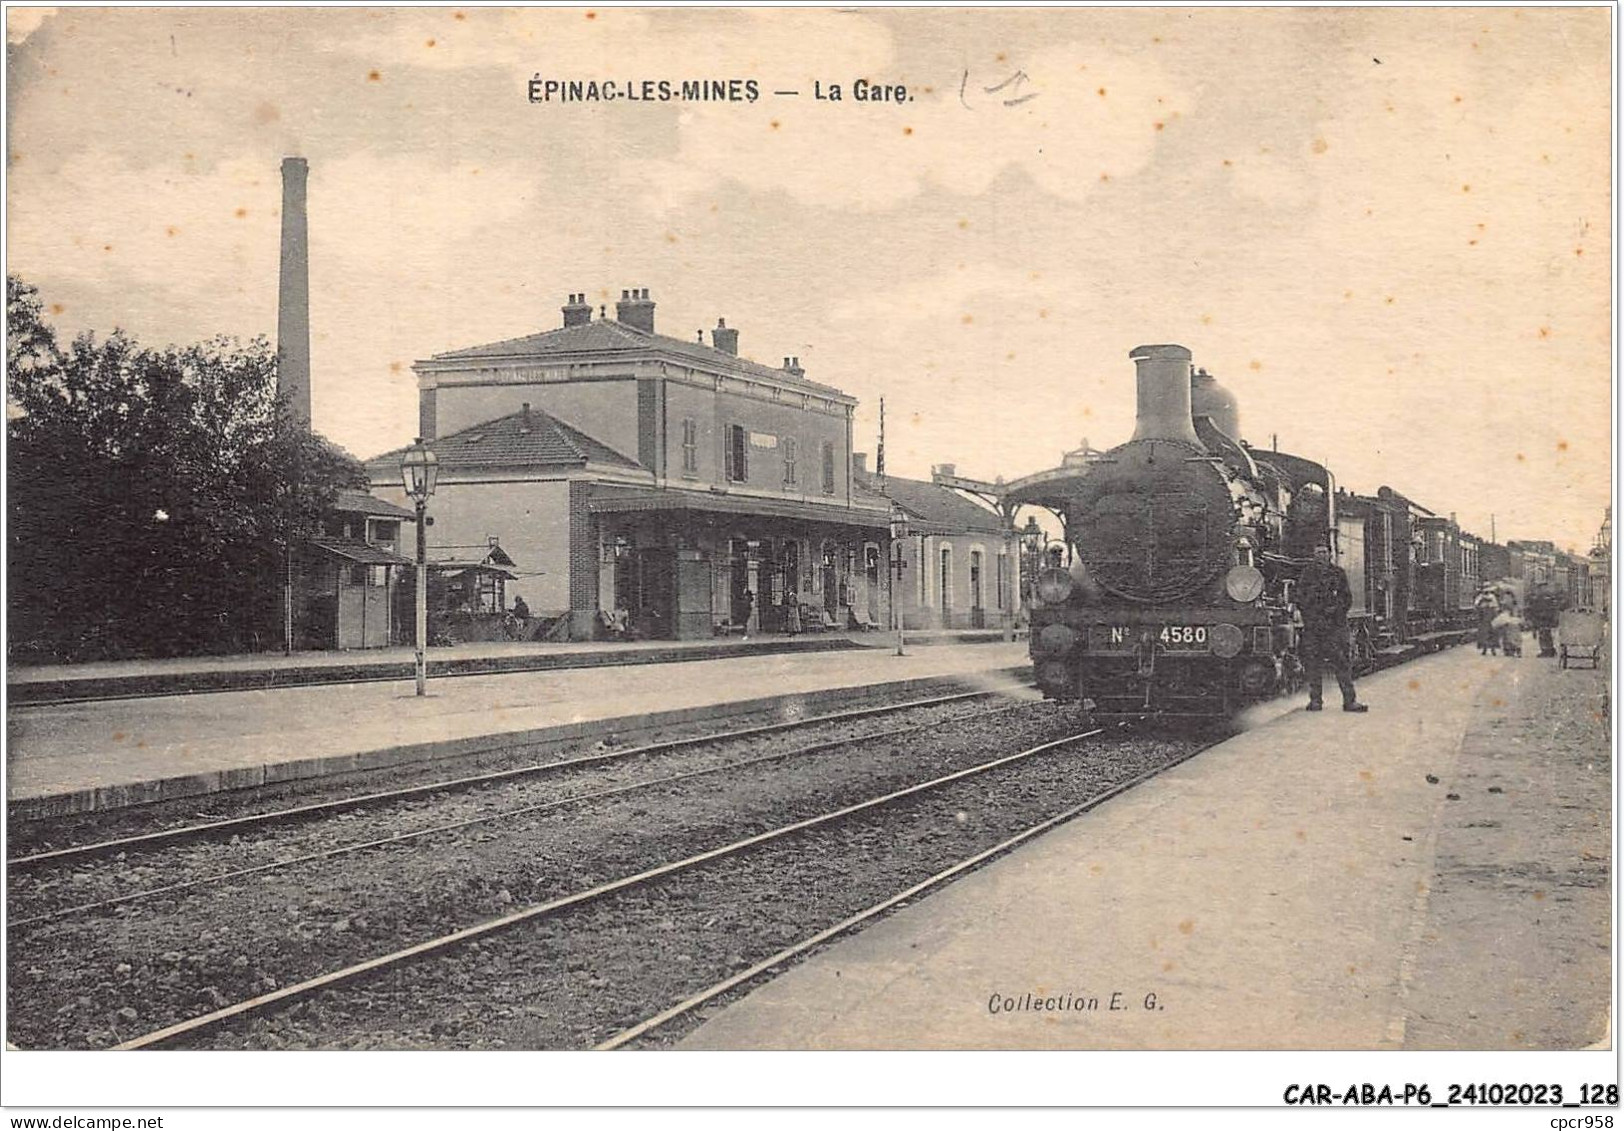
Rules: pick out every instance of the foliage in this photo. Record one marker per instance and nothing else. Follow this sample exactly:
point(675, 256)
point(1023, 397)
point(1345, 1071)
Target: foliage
point(152, 492)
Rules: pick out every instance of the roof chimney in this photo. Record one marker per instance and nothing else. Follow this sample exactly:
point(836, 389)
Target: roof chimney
point(524, 416)
point(724, 339)
point(792, 366)
point(635, 310)
point(859, 463)
point(293, 295)
point(577, 312)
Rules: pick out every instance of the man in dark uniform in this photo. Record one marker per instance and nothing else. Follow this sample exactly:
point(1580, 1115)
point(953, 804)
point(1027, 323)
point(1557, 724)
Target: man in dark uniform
point(1542, 617)
point(1323, 599)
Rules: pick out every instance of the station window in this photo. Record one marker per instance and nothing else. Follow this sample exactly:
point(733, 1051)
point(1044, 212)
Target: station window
point(690, 446)
point(738, 453)
point(828, 468)
point(789, 461)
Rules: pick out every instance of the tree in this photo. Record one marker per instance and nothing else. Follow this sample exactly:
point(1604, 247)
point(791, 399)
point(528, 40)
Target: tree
point(153, 492)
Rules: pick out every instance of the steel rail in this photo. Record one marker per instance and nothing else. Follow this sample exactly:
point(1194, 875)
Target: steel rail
point(502, 815)
point(541, 910)
point(687, 1005)
point(315, 809)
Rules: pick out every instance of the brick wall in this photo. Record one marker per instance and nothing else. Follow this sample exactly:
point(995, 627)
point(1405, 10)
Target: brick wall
point(427, 404)
point(583, 562)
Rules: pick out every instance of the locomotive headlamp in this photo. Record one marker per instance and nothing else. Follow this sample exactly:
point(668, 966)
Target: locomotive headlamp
point(1244, 583)
point(1055, 640)
point(1054, 586)
point(1257, 677)
point(1227, 640)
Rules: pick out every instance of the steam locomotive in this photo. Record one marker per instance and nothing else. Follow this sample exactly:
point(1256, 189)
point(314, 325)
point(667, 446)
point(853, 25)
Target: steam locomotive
point(1185, 545)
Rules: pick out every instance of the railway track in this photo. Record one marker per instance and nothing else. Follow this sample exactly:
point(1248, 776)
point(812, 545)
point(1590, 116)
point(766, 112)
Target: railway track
point(735, 984)
point(403, 838)
point(289, 994)
point(231, 937)
point(251, 821)
point(637, 943)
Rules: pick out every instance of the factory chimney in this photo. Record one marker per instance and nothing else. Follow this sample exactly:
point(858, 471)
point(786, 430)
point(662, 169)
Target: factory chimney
point(293, 295)
point(1164, 394)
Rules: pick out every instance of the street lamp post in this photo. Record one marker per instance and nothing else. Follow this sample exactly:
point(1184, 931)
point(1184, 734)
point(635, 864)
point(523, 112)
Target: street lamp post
point(1032, 542)
point(419, 468)
point(899, 531)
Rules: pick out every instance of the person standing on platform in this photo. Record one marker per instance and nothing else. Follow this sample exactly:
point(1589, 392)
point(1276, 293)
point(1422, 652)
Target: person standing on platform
point(1509, 625)
point(1487, 606)
point(749, 610)
point(1323, 599)
point(1542, 617)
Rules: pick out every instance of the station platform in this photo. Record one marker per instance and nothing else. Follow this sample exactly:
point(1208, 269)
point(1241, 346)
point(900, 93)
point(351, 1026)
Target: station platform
point(1432, 875)
point(86, 756)
point(122, 679)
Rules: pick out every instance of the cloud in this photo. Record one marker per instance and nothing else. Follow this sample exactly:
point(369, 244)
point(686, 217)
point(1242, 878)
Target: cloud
point(1070, 117)
point(23, 22)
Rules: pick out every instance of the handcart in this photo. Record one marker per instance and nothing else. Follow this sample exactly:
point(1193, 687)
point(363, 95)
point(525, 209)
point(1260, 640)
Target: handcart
point(1582, 633)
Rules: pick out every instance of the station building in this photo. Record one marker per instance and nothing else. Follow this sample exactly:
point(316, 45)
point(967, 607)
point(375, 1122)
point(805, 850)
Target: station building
point(650, 486)
point(959, 559)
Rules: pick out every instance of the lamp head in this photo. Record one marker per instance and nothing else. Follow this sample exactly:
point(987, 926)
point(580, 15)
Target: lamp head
point(419, 470)
point(898, 522)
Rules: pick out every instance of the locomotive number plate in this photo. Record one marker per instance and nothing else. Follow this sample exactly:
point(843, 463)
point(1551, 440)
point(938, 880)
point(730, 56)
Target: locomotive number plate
point(1172, 637)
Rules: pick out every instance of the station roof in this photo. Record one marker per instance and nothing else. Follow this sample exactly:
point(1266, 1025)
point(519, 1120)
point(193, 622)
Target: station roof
point(522, 439)
point(932, 508)
point(611, 500)
point(359, 502)
point(359, 552)
point(608, 336)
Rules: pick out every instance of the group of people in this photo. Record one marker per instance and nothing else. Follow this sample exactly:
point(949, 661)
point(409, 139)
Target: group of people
point(1500, 623)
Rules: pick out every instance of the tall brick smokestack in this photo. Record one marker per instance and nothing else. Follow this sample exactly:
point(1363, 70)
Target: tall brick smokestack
point(293, 296)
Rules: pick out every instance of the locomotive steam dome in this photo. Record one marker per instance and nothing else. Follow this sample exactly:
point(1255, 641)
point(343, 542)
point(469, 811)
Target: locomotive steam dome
point(1152, 521)
point(1210, 399)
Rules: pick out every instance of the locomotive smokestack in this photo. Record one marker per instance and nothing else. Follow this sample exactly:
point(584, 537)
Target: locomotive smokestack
point(1164, 394)
point(293, 297)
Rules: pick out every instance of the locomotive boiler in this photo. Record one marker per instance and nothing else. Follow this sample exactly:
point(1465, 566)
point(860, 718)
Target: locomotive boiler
point(1184, 544)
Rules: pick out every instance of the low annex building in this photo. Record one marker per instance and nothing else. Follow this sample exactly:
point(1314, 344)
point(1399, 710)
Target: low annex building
point(649, 486)
point(347, 577)
point(959, 557)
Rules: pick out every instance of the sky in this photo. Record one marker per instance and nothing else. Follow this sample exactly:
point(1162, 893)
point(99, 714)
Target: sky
point(1387, 231)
